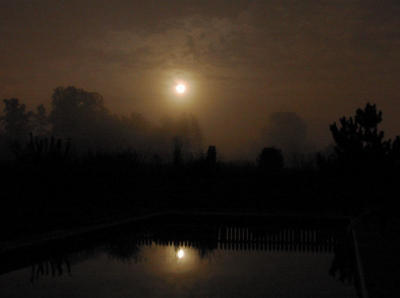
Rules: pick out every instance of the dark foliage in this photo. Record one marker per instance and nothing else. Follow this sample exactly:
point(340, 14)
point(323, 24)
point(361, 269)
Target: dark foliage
point(211, 157)
point(360, 143)
point(270, 159)
point(178, 153)
point(16, 120)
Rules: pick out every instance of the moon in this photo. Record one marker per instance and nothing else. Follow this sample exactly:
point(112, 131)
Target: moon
point(180, 88)
point(180, 254)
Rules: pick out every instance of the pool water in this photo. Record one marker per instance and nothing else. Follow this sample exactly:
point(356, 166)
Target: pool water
point(189, 260)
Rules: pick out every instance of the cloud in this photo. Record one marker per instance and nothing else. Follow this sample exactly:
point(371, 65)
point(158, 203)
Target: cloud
point(193, 41)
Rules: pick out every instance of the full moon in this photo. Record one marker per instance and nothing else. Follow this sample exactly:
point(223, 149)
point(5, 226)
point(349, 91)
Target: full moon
point(180, 88)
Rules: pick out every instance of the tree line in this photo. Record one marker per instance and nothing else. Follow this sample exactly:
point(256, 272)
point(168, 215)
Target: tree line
point(80, 117)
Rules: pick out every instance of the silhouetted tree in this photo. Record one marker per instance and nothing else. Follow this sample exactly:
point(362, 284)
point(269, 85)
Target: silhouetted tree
point(40, 122)
point(211, 158)
point(79, 115)
point(358, 140)
point(271, 159)
point(15, 121)
point(177, 153)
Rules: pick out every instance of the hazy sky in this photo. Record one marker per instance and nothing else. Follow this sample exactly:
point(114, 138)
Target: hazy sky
point(242, 60)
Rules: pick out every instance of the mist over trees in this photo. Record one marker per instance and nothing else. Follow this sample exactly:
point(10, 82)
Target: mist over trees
point(81, 117)
point(288, 132)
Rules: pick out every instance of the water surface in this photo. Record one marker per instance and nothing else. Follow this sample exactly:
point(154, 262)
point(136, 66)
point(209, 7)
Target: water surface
point(200, 259)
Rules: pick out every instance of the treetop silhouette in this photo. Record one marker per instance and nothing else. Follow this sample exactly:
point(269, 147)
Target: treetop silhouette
point(358, 138)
